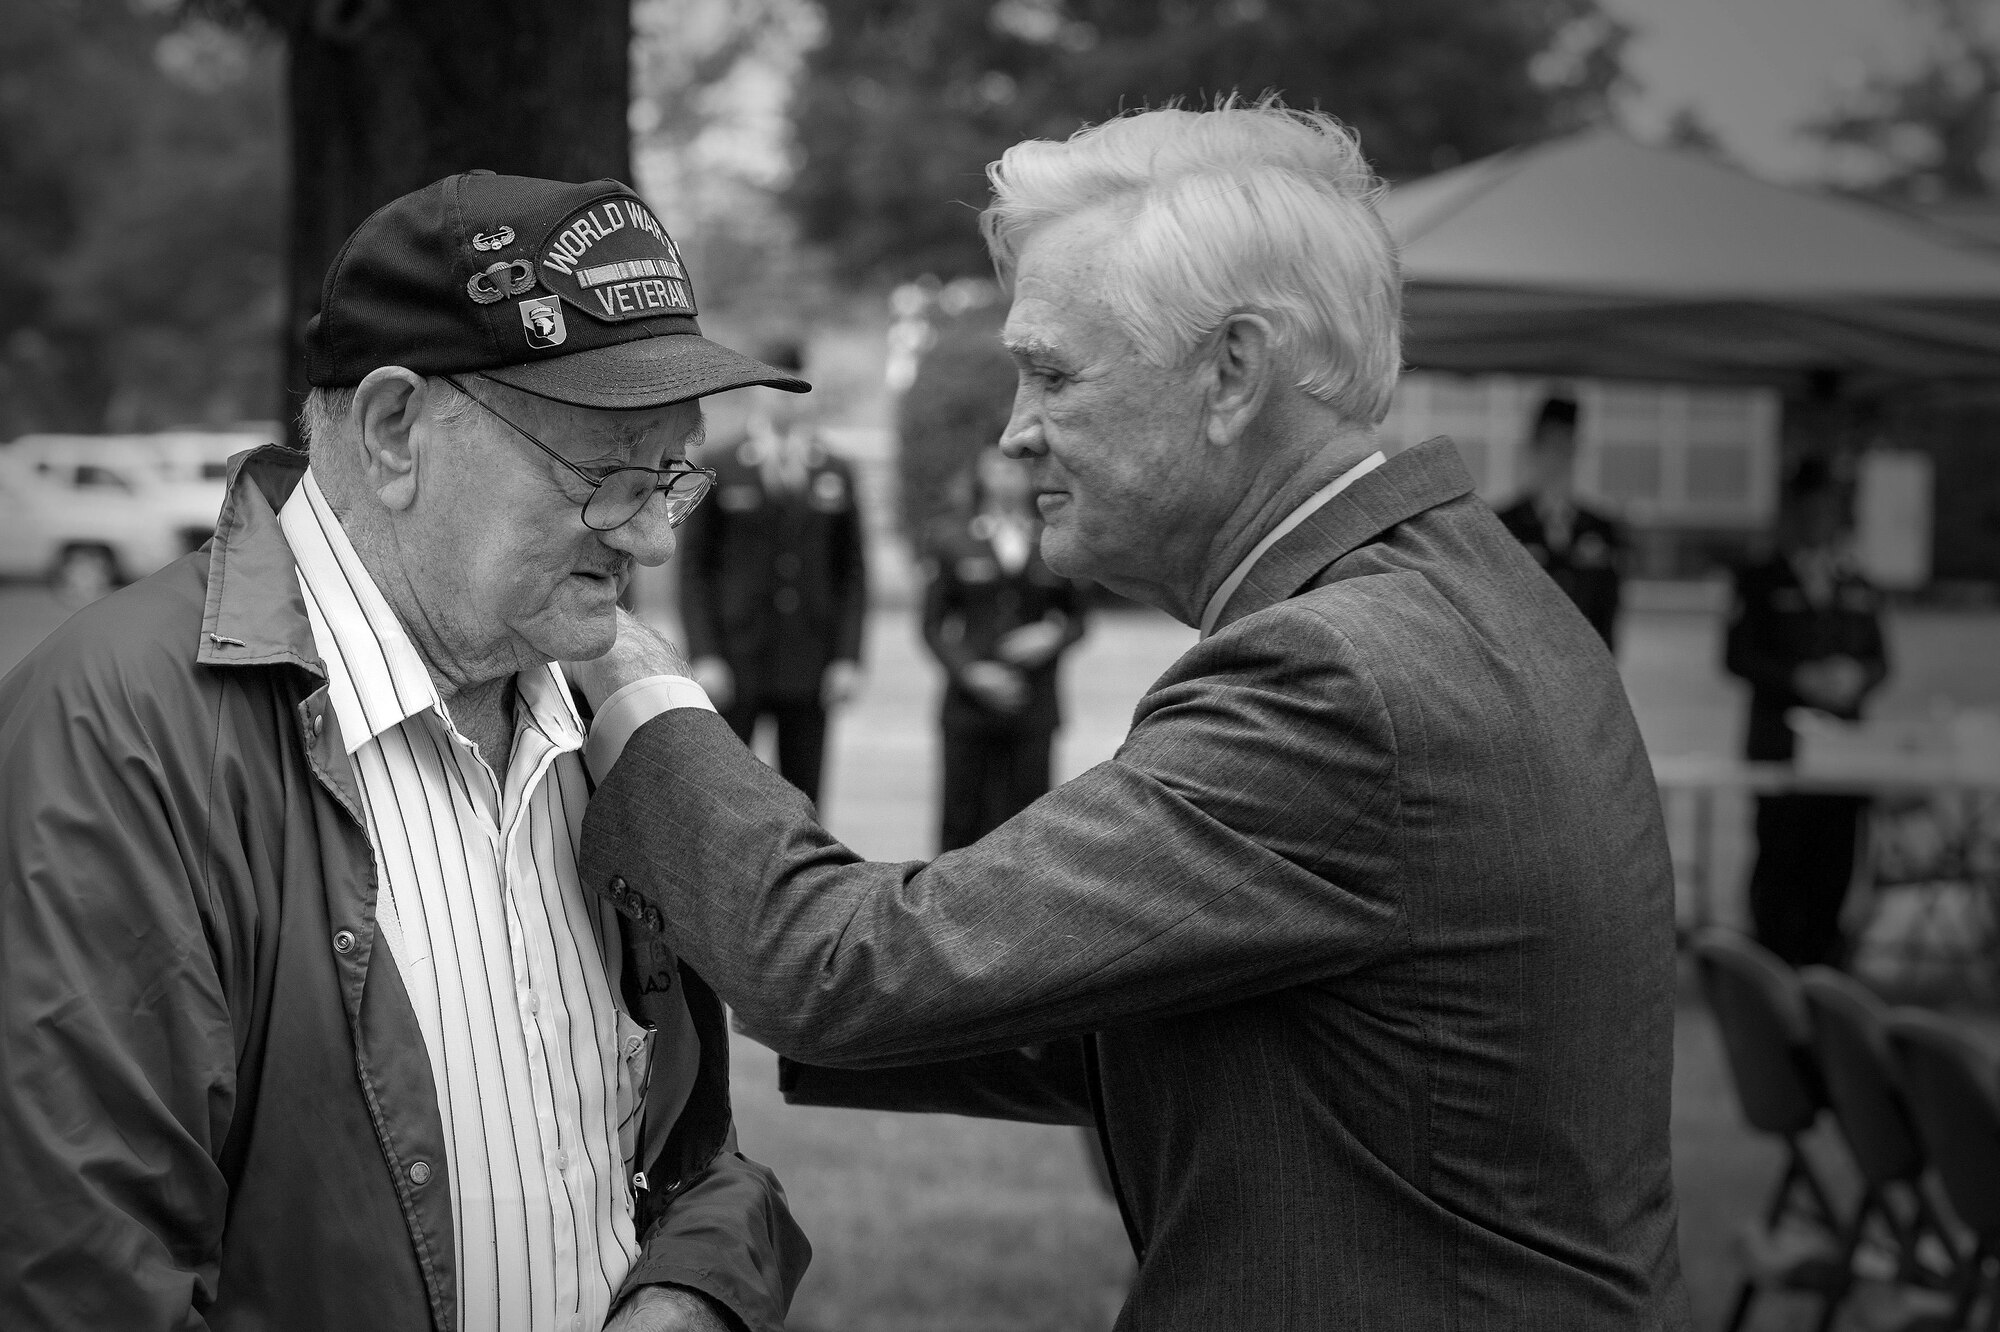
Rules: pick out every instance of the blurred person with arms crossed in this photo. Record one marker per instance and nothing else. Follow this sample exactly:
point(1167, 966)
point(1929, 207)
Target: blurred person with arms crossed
point(774, 581)
point(1805, 630)
point(308, 1021)
point(997, 618)
point(1360, 951)
point(1580, 548)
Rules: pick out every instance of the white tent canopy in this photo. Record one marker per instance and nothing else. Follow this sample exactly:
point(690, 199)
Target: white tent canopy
point(1596, 255)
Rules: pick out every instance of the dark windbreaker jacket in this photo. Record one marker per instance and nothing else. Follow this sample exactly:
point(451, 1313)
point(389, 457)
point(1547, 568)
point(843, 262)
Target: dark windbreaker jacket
point(212, 1114)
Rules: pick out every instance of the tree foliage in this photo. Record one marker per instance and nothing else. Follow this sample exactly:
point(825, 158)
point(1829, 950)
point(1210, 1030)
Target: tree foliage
point(710, 81)
point(1932, 132)
point(905, 101)
point(386, 97)
point(141, 188)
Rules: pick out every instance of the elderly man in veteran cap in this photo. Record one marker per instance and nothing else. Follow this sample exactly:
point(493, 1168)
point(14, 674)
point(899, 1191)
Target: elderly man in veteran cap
point(306, 1020)
point(1360, 952)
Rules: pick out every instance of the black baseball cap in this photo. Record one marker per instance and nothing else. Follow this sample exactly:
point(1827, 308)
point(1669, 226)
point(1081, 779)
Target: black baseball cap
point(570, 292)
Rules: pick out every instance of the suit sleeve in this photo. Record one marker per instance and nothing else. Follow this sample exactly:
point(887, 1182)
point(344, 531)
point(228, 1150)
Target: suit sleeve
point(117, 1054)
point(1036, 1084)
point(1157, 883)
point(851, 584)
point(729, 1234)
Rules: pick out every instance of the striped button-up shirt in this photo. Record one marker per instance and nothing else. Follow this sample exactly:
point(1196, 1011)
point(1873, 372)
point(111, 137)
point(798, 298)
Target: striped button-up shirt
point(511, 967)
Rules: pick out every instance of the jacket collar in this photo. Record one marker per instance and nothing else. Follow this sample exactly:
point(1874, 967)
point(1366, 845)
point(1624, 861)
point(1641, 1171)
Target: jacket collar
point(1419, 478)
point(254, 615)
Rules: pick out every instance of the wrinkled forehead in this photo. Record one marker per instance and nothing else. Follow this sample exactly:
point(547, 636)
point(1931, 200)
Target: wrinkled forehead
point(1051, 322)
point(1060, 292)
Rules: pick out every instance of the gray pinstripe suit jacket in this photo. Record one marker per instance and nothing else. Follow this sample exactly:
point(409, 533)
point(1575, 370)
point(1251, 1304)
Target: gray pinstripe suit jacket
point(1371, 916)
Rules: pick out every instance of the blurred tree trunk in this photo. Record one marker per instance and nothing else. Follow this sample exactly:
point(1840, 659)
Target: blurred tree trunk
point(389, 95)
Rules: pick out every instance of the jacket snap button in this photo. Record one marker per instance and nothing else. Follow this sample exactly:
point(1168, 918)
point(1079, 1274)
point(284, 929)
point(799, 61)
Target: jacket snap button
point(319, 724)
point(420, 1172)
point(343, 942)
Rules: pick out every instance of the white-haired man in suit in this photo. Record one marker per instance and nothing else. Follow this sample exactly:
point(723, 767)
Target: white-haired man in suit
point(1360, 951)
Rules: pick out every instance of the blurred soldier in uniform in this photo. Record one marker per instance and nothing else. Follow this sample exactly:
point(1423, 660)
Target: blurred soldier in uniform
point(774, 584)
point(1580, 549)
point(998, 618)
point(1805, 631)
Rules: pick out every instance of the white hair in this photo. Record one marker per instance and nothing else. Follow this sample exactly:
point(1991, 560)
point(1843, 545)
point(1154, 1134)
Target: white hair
point(1243, 209)
point(323, 419)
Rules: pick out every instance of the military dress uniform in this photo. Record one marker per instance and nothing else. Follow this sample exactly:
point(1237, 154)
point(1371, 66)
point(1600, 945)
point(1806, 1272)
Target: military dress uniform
point(1581, 550)
point(977, 591)
point(1790, 610)
point(773, 580)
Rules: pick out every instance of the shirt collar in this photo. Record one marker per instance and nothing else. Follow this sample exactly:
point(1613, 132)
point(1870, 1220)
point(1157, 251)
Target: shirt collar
point(548, 705)
point(375, 677)
point(1317, 501)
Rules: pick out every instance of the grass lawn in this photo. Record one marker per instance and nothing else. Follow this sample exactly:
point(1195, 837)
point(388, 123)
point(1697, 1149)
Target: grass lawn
point(923, 1222)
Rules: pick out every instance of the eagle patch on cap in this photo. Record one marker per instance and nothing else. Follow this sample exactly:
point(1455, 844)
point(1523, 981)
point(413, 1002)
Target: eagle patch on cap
point(613, 260)
point(542, 321)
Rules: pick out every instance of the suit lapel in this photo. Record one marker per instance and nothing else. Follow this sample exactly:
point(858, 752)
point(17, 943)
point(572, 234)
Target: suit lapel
point(1416, 479)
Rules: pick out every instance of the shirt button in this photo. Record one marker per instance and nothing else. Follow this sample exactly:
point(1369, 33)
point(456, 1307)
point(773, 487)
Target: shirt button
point(343, 942)
point(634, 1044)
point(533, 1003)
point(420, 1172)
point(560, 1160)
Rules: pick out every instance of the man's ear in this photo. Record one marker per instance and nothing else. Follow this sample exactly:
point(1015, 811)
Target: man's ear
point(1242, 364)
point(387, 406)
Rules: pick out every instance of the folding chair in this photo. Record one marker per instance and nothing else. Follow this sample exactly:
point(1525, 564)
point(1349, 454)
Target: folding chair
point(1952, 1083)
point(1768, 1041)
point(1864, 1089)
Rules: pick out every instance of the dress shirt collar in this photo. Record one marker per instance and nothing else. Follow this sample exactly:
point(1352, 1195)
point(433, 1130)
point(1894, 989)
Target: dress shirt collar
point(376, 679)
point(1319, 499)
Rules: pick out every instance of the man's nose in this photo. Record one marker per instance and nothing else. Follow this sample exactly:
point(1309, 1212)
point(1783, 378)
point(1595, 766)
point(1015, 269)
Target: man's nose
point(648, 538)
point(1023, 436)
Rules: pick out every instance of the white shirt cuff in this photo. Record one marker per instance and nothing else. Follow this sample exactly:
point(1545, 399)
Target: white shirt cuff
point(629, 709)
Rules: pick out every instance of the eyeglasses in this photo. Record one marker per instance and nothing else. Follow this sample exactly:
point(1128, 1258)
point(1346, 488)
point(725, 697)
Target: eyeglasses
point(617, 496)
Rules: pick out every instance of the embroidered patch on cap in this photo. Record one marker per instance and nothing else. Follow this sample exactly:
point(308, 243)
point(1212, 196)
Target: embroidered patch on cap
point(614, 261)
point(542, 319)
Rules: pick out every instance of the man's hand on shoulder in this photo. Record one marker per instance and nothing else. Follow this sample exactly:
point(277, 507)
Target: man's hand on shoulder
point(638, 654)
point(669, 1309)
